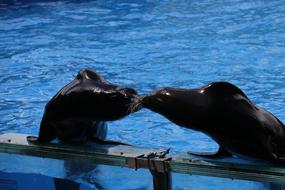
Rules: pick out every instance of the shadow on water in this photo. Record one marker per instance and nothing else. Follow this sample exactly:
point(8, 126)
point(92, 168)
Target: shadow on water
point(76, 170)
point(275, 186)
point(19, 181)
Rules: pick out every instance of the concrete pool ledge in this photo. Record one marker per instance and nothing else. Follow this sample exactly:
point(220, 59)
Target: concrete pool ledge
point(135, 157)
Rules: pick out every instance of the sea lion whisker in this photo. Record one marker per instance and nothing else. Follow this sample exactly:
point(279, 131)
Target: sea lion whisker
point(135, 106)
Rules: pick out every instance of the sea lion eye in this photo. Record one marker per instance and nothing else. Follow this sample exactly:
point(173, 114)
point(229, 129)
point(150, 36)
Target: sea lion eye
point(128, 91)
point(165, 92)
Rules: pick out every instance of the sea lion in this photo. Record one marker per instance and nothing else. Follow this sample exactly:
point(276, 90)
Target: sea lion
point(79, 111)
point(223, 112)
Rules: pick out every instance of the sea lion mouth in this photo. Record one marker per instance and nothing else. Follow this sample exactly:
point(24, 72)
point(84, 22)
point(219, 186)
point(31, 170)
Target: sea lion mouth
point(136, 105)
point(151, 100)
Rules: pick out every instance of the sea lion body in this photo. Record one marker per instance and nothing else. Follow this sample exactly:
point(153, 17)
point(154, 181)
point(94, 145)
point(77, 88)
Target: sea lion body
point(82, 107)
point(223, 112)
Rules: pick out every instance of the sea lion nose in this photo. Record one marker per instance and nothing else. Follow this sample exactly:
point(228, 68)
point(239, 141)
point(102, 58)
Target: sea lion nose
point(145, 100)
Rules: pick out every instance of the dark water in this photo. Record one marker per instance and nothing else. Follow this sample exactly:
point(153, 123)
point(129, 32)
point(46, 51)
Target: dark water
point(145, 45)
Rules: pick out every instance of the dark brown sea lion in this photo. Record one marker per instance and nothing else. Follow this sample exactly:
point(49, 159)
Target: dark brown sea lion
point(223, 112)
point(79, 111)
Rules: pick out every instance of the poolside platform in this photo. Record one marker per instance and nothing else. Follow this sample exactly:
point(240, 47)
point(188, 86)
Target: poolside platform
point(159, 162)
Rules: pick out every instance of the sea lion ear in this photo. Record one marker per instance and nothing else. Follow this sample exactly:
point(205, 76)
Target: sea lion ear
point(129, 91)
point(224, 88)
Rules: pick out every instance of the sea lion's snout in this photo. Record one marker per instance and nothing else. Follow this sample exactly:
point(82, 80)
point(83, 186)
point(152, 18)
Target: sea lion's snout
point(154, 99)
point(134, 99)
point(145, 100)
point(136, 104)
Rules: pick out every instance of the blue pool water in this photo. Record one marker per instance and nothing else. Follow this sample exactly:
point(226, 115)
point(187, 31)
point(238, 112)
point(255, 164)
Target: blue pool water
point(143, 44)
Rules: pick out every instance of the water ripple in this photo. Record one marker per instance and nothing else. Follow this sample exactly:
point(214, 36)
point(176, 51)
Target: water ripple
point(142, 44)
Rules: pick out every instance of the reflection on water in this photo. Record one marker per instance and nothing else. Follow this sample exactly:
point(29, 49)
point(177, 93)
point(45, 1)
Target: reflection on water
point(89, 176)
point(23, 181)
point(18, 181)
point(203, 182)
point(145, 45)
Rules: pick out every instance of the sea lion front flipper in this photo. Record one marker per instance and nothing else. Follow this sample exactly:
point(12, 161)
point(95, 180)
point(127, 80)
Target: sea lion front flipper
point(278, 159)
point(100, 141)
point(46, 133)
point(221, 153)
point(32, 139)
